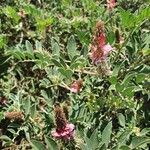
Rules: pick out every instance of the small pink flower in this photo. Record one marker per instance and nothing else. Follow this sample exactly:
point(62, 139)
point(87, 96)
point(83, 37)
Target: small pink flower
point(111, 4)
point(100, 51)
point(106, 49)
point(66, 133)
point(76, 86)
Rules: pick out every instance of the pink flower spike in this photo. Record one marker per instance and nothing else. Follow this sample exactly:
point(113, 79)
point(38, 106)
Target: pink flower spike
point(67, 133)
point(99, 49)
point(111, 4)
point(100, 54)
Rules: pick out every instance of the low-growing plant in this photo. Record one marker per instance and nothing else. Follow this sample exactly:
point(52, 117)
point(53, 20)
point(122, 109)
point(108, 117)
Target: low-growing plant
point(74, 75)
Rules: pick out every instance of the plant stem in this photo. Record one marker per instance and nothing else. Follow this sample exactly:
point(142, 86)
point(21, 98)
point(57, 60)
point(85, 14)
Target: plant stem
point(86, 72)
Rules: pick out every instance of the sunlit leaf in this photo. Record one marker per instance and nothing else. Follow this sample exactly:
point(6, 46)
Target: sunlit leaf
point(37, 145)
point(52, 145)
point(71, 47)
point(106, 134)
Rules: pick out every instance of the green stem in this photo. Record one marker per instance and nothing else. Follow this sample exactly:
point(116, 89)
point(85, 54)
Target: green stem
point(86, 72)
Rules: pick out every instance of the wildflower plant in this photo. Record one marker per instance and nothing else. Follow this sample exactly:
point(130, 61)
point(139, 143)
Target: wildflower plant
point(74, 75)
point(64, 129)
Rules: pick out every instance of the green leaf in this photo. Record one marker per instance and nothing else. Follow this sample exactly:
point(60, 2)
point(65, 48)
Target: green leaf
point(56, 63)
point(16, 54)
point(144, 14)
point(106, 134)
point(75, 65)
point(71, 47)
point(146, 52)
point(140, 77)
point(145, 131)
point(3, 41)
point(88, 144)
point(29, 47)
point(129, 92)
point(12, 13)
point(29, 55)
point(5, 138)
point(63, 62)
point(12, 131)
point(66, 72)
point(139, 141)
point(20, 54)
point(84, 146)
point(33, 110)
point(113, 80)
point(103, 147)
point(127, 18)
point(117, 69)
point(121, 119)
point(38, 45)
point(119, 87)
point(55, 48)
point(84, 51)
point(111, 37)
point(51, 144)
point(39, 56)
point(26, 131)
point(42, 23)
point(124, 147)
point(44, 94)
point(124, 136)
point(36, 145)
point(27, 105)
point(127, 79)
point(1, 116)
point(94, 142)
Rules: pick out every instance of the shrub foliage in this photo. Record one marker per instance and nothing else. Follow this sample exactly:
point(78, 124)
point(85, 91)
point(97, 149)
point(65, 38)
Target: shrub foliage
point(45, 60)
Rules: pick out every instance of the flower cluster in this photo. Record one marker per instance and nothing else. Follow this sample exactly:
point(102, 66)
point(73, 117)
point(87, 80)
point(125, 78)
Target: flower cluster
point(66, 133)
point(99, 48)
point(111, 4)
point(64, 130)
point(76, 86)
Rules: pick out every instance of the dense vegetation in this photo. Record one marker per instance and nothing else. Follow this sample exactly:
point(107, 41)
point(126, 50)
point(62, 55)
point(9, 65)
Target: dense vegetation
point(74, 74)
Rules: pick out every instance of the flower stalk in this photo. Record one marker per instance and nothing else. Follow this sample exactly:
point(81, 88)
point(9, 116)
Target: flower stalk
point(64, 130)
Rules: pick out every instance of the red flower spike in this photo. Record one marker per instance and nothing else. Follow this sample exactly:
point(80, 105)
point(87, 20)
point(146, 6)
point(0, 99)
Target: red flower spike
point(101, 40)
point(99, 48)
